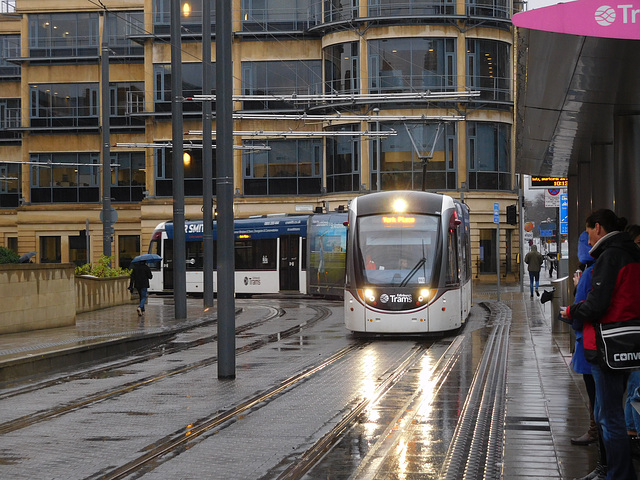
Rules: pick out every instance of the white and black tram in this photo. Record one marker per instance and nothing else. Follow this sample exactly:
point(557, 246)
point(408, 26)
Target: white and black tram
point(272, 254)
point(408, 266)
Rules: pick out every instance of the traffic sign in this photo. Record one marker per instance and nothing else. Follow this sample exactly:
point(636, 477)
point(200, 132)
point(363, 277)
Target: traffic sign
point(496, 212)
point(564, 215)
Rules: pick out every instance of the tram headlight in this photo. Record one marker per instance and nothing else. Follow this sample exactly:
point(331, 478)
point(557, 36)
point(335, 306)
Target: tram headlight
point(369, 294)
point(424, 295)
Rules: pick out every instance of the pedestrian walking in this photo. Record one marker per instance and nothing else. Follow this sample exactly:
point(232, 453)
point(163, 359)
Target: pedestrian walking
point(615, 283)
point(140, 276)
point(534, 260)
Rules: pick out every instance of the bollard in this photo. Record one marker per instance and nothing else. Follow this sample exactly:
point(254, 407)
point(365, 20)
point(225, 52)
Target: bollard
point(560, 299)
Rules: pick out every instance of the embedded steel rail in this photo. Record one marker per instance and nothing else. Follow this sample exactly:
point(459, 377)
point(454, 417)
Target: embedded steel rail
point(28, 420)
point(182, 438)
point(476, 449)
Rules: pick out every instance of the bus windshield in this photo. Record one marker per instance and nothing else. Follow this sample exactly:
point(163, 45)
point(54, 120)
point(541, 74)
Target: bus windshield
point(397, 249)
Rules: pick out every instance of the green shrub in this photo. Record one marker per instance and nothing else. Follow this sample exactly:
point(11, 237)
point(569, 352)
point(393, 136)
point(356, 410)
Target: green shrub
point(8, 256)
point(102, 269)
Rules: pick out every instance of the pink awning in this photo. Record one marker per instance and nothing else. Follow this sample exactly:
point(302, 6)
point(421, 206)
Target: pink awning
point(590, 18)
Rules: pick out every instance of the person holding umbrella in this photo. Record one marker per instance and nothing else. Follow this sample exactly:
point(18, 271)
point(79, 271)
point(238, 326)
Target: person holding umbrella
point(140, 276)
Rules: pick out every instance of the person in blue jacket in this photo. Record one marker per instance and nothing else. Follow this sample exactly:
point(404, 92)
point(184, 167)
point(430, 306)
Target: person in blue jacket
point(578, 361)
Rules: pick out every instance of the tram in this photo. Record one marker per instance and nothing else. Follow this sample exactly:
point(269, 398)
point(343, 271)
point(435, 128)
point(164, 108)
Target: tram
point(408, 264)
point(272, 254)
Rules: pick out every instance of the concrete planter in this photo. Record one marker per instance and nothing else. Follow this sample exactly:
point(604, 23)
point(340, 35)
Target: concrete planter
point(94, 293)
point(36, 296)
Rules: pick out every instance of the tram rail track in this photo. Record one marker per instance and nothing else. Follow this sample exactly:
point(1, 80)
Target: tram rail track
point(263, 340)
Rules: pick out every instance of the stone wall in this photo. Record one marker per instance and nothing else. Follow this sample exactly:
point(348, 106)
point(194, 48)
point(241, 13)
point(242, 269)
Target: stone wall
point(36, 296)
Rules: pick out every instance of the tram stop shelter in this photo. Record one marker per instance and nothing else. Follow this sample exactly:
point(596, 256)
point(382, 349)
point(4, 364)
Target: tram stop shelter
point(578, 111)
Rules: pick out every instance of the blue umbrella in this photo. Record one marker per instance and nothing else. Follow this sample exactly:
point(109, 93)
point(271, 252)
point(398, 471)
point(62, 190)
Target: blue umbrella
point(147, 257)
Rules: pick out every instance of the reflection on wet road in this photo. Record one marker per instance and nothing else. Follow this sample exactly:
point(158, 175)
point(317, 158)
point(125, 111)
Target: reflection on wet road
point(407, 432)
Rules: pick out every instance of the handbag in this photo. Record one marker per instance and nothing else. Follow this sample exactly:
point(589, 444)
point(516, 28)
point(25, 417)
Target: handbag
point(618, 344)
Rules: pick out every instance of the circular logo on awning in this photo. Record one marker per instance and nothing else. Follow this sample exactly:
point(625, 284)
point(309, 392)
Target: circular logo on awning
point(605, 15)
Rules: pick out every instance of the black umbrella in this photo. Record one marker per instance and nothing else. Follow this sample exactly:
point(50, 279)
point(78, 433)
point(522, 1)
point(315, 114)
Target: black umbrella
point(147, 257)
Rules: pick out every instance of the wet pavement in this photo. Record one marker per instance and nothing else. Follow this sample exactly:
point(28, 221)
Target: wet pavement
point(542, 403)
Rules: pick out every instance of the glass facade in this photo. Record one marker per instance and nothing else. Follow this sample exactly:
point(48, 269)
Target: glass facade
point(402, 156)
point(279, 15)
point(192, 160)
point(411, 8)
point(121, 26)
point(65, 177)
point(489, 156)
point(343, 161)
point(10, 176)
point(126, 100)
point(289, 167)
point(63, 35)
point(489, 69)
point(128, 181)
point(282, 77)
point(9, 48)
point(190, 16)
point(64, 105)
point(412, 65)
point(191, 85)
point(341, 68)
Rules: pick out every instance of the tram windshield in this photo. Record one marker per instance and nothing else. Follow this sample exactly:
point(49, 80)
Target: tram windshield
point(397, 250)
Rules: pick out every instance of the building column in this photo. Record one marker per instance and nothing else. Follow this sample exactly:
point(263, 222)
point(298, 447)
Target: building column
point(602, 195)
point(626, 134)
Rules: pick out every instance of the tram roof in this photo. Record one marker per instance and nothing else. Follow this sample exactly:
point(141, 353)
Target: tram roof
point(575, 78)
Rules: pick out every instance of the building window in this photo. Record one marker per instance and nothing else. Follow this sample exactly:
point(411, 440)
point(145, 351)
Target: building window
point(487, 258)
point(489, 156)
point(402, 155)
point(121, 26)
point(192, 160)
point(126, 100)
point(9, 119)
point(56, 105)
point(391, 8)
point(290, 167)
point(490, 8)
point(191, 85)
point(340, 10)
point(343, 161)
point(128, 248)
point(65, 177)
point(488, 69)
point(128, 176)
point(341, 67)
point(279, 15)
point(9, 48)
point(63, 35)
point(412, 65)
point(10, 175)
point(190, 16)
point(78, 249)
point(285, 77)
point(12, 243)
point(50, 248)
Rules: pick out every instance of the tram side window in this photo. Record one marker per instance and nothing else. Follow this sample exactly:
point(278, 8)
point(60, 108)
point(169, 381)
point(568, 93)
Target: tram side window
point(154, 247)
point(452, 259)
point(255, 254)
point(194, 256)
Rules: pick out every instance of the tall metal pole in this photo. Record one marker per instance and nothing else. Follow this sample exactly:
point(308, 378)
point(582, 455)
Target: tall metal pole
point(207, 160)
point(224, 193)
point(378, 145)
point(106, 151)
point(179, 249)
point(521, 229)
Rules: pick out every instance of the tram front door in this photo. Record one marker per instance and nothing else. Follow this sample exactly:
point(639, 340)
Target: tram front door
point(290, 262)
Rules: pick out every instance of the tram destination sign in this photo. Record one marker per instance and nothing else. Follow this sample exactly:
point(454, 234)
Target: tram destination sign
point(546, 182)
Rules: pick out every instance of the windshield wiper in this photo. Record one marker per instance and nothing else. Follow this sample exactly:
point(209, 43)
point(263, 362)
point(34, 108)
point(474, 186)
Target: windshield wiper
point(413, 271)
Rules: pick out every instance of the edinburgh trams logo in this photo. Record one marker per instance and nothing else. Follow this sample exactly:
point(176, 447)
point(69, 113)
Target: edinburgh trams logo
point(606, 15)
